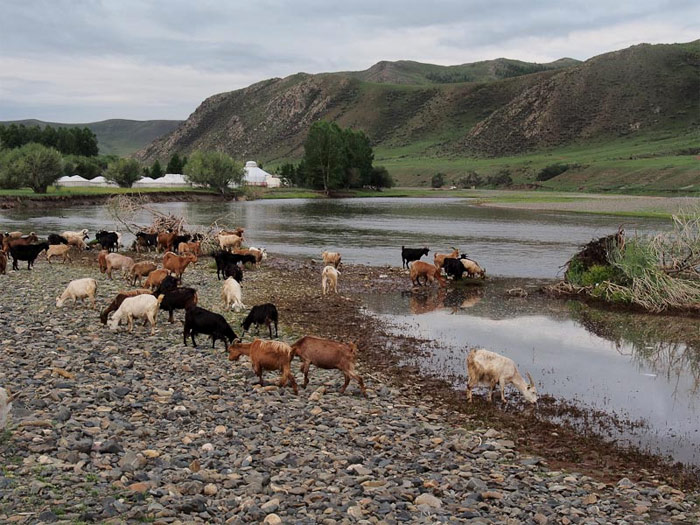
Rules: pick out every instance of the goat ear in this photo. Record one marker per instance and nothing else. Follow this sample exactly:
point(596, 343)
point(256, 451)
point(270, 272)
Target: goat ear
point(532, 383)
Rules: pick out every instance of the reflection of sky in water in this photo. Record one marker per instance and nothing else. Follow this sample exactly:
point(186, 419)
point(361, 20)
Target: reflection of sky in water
point(371, 231)
point(566, 361)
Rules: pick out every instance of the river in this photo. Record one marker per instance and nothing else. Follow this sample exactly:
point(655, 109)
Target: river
point(639, 368)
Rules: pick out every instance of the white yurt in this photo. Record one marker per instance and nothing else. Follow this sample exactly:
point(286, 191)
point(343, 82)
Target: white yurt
point(171, 180)
point(102, 182)
point(273, 182)
point(73, 180)
point(144, 182)
point(254, 176)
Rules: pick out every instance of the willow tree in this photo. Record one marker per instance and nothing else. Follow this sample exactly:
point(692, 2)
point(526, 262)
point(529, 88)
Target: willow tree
point(324, 155)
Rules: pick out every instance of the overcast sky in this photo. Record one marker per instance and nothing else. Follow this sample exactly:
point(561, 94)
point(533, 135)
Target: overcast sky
point(89, 60)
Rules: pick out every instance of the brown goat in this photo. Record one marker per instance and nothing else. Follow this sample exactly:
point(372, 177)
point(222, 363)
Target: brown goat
point(177, 264)
point(267, 355)
point(190, 247)
point(140, 270)
point(3, 263)
point(155, 278)
point(166, 240)
point(58, 250)
point(328, 354)
point(118, 300)
point(102, 260)
point(21, 241)
point(426, 270)
point(439, 258)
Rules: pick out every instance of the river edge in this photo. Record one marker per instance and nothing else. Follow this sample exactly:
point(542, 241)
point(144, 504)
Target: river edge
point(294, 285)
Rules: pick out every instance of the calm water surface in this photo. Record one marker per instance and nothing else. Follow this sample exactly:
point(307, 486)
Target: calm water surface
point(371, 231)
point(642, 368)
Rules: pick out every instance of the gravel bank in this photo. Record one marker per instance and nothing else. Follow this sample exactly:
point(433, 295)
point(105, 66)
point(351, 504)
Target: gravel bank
point(114, 427)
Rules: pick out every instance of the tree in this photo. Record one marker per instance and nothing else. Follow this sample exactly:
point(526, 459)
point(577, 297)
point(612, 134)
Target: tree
point(359, 157)
point(31, 165)
point(324, 155)
point(10, 173)
point(438, 180)
point(502, 178)
point(124, 172)
point(470, 179)
point(176, 164)
point(213, 169)
point(156, 170)
point(380, 178)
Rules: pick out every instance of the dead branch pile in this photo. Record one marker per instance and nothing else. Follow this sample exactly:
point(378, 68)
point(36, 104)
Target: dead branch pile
point(597, 252)
point(127, 210)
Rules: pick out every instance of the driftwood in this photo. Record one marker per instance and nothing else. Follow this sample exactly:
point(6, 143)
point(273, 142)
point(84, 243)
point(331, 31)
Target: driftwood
point(597, 251)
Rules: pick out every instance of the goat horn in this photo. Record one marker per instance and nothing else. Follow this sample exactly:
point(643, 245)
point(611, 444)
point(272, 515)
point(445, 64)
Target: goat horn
point(530, 378)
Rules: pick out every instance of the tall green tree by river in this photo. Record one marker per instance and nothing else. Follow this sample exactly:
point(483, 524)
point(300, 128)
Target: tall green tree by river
point(31, 165)
point(214, 170)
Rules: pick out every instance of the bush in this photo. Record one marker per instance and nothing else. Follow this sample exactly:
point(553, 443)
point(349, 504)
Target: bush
point(438, 180)
point(124, 172)
point(502, 178)
point(551, 171)
point(470, 179)
point(31, 165)
point(213, 169)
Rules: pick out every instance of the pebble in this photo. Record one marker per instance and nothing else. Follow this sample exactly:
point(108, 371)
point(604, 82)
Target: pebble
point(141, 428)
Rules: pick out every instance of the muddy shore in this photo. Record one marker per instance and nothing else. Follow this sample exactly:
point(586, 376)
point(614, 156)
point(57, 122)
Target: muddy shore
point(414, 451)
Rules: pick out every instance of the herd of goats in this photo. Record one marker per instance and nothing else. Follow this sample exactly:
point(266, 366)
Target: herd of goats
point(163, 290)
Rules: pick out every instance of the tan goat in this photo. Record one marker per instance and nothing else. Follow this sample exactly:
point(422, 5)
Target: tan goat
point(428, 271)
point(267, 355)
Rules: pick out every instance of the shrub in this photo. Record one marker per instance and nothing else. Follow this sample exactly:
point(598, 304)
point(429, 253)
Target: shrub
point(502, 178)
point(124, 172)
point(438, 180)
point(551, 171)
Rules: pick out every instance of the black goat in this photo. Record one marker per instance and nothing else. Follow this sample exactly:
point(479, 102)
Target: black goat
point(201, 321)
point(54, 238)
point(412, 254)
point(108, 240)
point(261, 314)
point(28, 252)
point(233, 270)
point(146, 240)
point(454, 267)
point(176, 299)
point(181, 238)
point(223, 258)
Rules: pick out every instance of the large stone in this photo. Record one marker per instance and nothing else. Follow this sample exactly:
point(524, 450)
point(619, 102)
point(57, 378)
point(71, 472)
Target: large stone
point(429, 500)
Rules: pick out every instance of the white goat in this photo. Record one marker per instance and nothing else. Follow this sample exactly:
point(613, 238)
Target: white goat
point(76, 238)
point(231, 294)
point(490, 368)
point(329, 279)
point(260, 253)
point(141, 307)
point(473, 269)
point(58, 250)
point(78, 289)
point(6, 399)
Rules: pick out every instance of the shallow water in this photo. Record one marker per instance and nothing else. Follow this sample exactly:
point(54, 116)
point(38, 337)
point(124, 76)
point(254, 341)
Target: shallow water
point(371, 231)
point(643, 370)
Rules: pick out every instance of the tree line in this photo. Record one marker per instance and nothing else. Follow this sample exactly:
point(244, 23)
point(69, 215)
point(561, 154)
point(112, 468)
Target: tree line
point(68, 141)
point(334, 158)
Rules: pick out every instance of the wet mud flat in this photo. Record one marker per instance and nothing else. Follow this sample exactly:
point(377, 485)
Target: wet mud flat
point(114, 427)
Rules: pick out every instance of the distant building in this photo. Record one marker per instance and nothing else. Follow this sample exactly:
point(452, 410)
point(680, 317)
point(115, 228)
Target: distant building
point(72, 180)
point(255, 176)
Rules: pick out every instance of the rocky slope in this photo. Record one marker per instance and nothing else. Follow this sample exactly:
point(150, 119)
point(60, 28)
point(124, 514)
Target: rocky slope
point(506, 107)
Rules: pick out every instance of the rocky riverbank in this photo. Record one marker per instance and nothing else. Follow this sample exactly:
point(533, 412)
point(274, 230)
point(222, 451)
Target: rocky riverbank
point(117, 427)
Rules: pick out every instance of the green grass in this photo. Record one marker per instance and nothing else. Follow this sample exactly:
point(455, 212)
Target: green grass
point(664, 163)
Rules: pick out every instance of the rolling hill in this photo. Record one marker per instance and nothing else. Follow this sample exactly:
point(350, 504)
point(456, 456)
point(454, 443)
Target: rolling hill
point(628, 119)
point(117, 136)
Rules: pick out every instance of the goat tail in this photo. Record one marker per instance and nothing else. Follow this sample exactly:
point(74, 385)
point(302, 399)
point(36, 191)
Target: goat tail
point(160, 299)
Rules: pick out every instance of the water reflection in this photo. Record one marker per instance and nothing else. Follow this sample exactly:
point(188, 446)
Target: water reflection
point(635, 367)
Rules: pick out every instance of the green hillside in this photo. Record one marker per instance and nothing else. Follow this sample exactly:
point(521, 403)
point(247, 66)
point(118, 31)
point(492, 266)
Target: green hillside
point(628, 120)
point(117, 136)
